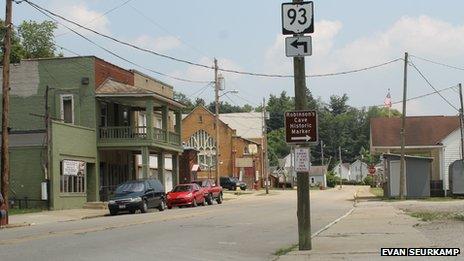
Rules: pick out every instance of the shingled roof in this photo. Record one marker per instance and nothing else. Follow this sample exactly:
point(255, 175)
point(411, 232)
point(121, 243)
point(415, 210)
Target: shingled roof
point(420, 130)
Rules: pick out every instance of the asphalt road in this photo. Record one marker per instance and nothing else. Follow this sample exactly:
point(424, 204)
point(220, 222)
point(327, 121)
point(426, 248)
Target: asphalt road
point(250, 228)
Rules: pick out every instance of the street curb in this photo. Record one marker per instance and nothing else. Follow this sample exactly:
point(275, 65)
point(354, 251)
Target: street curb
point(332, 223)
point(16, 225)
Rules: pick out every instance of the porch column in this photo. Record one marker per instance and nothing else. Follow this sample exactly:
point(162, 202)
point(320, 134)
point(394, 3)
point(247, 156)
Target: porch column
point(165, 115)
point(149, 115)
point(175, 169)
point(145, 162)
point(178, 122)
point(161, 167)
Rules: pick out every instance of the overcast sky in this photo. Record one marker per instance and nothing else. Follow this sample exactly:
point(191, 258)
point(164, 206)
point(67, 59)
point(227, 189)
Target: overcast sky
point(246, 35)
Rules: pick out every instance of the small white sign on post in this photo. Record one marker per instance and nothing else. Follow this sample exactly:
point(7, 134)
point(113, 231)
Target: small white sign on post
point(302, 160)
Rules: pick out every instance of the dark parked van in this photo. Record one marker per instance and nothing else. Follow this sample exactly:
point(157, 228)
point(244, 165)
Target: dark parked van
point(138, 195)
point(232, 183)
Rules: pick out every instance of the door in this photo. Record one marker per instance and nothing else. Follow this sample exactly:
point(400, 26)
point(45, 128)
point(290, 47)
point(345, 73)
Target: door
point(394, 176)
point(150, 194)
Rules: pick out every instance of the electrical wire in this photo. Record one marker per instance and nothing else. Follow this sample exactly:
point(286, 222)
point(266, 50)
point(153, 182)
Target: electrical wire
point(430, 84)
point(438, 63)
point(117, 55)
point(153, 22)
point(420, 96)
point(102, 15)
point(39, 8)
point(43, 10)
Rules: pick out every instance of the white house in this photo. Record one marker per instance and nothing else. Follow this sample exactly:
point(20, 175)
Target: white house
point(358, 170)
point(451, 151)
point(344, 169)
point(318, 176)
point(437, 137)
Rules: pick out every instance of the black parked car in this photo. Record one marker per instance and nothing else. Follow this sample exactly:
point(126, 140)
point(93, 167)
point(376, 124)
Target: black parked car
point(232, 183)
point(138, 195)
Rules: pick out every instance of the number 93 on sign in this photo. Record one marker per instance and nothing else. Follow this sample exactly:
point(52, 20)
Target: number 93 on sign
point(297, 18)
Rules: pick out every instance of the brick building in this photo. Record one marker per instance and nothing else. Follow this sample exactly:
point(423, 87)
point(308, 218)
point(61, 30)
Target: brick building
point(239, 156)
point(108, 125)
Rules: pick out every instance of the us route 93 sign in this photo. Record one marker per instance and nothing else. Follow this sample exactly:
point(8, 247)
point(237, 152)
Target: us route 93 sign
point(298, 18)
point(301, 127)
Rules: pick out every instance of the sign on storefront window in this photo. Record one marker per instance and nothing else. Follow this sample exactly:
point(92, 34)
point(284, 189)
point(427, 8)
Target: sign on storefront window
point(73, 167)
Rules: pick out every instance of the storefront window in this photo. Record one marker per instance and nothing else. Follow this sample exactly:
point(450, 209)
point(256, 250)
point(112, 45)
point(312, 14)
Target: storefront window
point(73, 176)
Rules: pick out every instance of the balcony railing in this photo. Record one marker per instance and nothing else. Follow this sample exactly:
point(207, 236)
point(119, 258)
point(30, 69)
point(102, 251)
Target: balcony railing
point(123, 132)
point(174, 138)
point(159, 134)
point(120, 133)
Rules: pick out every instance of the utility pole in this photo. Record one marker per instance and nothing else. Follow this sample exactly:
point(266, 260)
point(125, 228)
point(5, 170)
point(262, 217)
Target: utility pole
point(403, 126)
point(264, 147)
point(303, 201)
point(461, 112)
point(340, 166)
point(216, 100)
point(5, 161)
point(322, 152)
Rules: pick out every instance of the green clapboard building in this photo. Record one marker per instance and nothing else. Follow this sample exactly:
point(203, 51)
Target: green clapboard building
point(106, 125)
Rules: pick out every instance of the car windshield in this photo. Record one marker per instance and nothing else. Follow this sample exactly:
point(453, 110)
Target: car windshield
point(130, 187)
point(200, 183)
point(183, 188)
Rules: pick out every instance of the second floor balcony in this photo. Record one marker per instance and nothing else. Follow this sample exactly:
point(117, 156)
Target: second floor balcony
point(137, 135)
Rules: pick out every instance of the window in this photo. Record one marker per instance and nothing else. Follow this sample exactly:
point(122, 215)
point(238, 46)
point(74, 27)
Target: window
point(206, 146)
point(67, 108)
point(312, 180)
point(200, 119)
point(125, 117)
point(103, 114)
point(73, 176)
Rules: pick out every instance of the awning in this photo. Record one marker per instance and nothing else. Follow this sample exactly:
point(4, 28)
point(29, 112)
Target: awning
point(195, 167)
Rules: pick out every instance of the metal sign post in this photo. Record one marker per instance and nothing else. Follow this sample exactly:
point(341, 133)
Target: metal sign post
point(298, 19)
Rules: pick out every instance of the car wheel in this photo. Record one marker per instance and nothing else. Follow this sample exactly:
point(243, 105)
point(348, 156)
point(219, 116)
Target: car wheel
point(169, 207)
point(194, 203)
point(113, 212)
point(243, 188)
point(219, 198)
point(234, 188)
point(144, 207)
point(162, 205)
point(132, 211)
point(209, 199)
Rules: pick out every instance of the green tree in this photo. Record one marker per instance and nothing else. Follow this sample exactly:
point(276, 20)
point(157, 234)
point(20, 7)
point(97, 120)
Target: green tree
point(277, 146)
point(276, 106)
point(17, 50)
point(31, 40)
point(182, 98)
point(37, 39)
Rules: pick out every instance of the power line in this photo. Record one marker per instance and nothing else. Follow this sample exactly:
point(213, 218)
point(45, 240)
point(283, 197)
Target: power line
point(115, 54)
point(438, 63)
point(102, 15)
point(198, 64)
point(39, 8)
point(420, 96)
point(153, 22)
point(430, 84)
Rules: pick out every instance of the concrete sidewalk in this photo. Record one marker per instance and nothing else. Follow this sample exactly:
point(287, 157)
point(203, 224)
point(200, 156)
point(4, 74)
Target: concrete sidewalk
point(360, 235)
point(46, 217)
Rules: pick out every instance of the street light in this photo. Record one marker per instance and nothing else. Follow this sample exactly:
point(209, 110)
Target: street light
point(227, 92)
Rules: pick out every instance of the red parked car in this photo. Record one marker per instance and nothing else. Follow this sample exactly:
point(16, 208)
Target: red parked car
point(186, 195)
point(211, 191)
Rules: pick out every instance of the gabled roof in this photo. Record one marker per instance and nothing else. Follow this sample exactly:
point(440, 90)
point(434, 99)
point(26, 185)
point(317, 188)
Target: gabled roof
point(247, 124)
point(420, 130)
point(112, 88)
